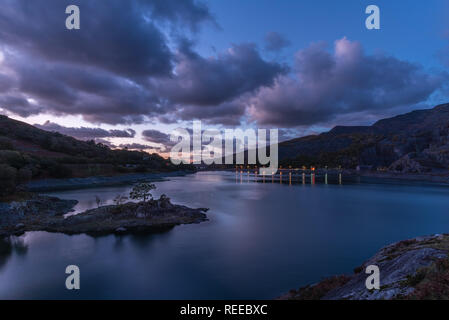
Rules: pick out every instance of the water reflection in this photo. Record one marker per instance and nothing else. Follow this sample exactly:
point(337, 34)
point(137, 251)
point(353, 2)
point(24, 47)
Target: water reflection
point(262, 239)
point(294, 177)
point(9, 246)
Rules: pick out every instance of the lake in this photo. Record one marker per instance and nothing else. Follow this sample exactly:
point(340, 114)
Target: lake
point(262, 240)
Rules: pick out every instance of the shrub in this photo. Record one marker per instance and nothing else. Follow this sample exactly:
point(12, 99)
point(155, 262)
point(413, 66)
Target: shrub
point(431, 283)
point(98, 201)
point(14, 158)
point(8, 177)
point(60, 171)
point(24, 175)
point(319, 290)
point(140, 169)
point(6, 144)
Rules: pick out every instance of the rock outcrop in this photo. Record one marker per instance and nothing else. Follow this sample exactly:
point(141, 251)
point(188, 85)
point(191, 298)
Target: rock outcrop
point(410, 269)
point(408, 164)
point(47, 214)
point(14, 216)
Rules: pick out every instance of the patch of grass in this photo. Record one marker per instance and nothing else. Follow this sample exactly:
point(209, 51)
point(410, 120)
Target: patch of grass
point(384, 287)
point(431, 283)
point(319, 290)
point(402, 245)
point(415, 279)
point(399, 248)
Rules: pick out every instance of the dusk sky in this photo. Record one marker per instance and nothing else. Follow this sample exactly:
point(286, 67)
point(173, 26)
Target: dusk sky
point(138, 69)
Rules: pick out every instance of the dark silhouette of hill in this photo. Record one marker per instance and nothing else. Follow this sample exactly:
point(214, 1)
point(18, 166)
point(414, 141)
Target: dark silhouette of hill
point(27, 152)
point(413, 142)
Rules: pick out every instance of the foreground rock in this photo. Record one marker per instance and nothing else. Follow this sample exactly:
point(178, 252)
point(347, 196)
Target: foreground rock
point(152, 216)
point(410, 269)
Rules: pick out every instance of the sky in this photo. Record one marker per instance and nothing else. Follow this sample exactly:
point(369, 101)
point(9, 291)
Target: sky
point(136, 70)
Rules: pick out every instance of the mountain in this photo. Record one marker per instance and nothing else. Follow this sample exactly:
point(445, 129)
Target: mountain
point(417, 141)
point(27, 152)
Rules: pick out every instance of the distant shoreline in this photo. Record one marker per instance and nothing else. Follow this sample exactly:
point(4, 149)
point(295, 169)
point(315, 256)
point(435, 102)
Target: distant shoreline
point(49, 185)
point(441, 178)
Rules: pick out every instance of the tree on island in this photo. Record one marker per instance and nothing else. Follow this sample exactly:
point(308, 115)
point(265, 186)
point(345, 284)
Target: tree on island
point(141, 191)
point(98, 201)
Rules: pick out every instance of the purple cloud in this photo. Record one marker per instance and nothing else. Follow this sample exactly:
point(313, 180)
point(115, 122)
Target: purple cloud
point(212, 81)
point(131, 67)
point(346, 81)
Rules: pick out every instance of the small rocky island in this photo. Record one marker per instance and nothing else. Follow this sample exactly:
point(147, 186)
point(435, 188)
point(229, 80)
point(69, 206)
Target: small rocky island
point(42, 213)
point(414, 269)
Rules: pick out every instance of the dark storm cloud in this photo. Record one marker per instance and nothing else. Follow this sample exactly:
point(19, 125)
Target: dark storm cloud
point(41, 84)
point(118, 68)
point(123, 67)
point(211, 81)
point(228, 113)
point(97, 71)
point(5, 83)
point(84, 133)
point(347, 81)
point(156, 136)
point(19, 105)
point(114, 35)
point(99, 96)
point(275, 41)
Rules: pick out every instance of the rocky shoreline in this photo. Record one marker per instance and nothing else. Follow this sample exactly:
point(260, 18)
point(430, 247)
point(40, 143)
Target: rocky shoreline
point(411, 269)
point(42, 213)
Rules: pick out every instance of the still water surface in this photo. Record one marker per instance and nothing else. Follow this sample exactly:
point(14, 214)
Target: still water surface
point(261, 240)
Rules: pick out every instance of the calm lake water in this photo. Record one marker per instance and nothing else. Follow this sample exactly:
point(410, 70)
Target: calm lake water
point(261, 240)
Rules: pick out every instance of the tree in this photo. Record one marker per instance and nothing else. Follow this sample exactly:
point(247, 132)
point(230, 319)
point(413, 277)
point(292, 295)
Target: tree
point(8, 181)
point(60, 171)
point(142, 191)
point(98, 201)
point(24, 175)
point(6, 144)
